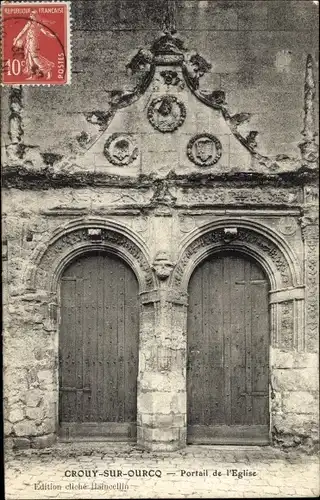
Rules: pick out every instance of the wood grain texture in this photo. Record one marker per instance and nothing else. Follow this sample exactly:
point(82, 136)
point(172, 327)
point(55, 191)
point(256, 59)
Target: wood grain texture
point(228, 352)
point(98, 344)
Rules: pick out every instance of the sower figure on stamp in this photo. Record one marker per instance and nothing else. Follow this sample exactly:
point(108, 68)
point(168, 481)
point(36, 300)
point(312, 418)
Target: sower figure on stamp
point(35, 64)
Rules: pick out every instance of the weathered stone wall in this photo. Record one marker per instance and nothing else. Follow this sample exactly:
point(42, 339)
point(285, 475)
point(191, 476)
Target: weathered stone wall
point(159, 207)
point(31, 337)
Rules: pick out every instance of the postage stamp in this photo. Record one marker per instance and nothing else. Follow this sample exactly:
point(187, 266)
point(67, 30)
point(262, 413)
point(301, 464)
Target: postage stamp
point(36, 43)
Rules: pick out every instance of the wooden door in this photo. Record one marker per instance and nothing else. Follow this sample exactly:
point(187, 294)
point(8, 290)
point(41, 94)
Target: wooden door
point(98, 352)
point(228, 352)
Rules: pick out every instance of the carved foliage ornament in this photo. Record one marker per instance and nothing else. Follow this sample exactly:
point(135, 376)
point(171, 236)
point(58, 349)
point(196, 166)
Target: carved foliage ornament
point(204, 150)
point(310, 233)
point(120, 150)
point(244, 235)
point(166, 113)
point(240, 196)
point(171, 78)
point(46, 267)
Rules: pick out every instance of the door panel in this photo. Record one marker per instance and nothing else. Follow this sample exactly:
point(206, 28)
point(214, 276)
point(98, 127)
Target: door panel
point(228, 350)
point(98, 352)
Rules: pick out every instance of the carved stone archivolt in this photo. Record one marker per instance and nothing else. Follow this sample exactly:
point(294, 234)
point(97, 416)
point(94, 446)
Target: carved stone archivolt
point(120, 149)
point(204, 150)
point(51, 259)
point(166, 113)
point(247, 241)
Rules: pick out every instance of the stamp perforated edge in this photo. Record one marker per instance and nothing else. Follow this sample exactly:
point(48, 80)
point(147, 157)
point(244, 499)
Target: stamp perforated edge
point(69, 42)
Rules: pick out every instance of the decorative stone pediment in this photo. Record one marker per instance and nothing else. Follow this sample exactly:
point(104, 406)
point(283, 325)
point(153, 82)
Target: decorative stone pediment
point(169, 124)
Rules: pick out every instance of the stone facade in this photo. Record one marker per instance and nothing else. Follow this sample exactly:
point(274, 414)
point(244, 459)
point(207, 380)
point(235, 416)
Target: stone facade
point(165, 172)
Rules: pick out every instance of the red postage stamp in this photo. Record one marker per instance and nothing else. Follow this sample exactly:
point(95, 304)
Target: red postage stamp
point(35, 43)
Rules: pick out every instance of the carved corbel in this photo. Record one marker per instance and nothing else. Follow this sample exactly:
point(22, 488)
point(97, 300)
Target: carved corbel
point(214, 98)
point(251, 139)
point(162, 265)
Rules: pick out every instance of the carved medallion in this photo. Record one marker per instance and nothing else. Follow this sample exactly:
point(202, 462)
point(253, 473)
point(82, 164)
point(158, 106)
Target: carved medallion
point(204, 150)
point(187, 224)
point(166, 113)
point(287, 226)
point(120, 150)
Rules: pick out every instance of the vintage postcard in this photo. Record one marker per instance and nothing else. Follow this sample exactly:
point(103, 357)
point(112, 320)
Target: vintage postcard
point(35, 43)
point(160, 249)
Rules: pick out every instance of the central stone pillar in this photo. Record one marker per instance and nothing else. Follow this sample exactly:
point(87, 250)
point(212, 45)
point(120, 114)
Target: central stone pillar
point(162, 372)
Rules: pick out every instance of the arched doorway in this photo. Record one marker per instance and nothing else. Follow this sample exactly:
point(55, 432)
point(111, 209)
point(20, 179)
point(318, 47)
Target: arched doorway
point(228, 352)
point(98, 348)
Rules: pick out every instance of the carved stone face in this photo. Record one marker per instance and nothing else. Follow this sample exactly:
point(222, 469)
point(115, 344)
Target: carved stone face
point(162, 265)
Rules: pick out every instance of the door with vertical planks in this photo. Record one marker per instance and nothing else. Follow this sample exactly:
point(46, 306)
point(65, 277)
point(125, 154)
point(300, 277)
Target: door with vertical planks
point(228, 352)
point(98, 349)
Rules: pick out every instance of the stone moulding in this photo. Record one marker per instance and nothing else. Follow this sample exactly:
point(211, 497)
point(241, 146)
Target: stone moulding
point(264, 244)
point(52, 256)
point(18, 176)
point(272, 252)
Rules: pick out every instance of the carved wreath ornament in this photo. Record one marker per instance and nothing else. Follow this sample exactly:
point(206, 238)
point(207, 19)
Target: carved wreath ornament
point(166, 113)
point(204, 150)
point(120, 150)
